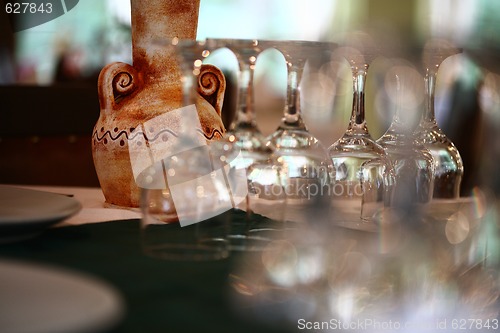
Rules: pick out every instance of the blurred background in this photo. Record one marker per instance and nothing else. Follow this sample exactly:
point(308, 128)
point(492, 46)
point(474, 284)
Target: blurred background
point(48, 76)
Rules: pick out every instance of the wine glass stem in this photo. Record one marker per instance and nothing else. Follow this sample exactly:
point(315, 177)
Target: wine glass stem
point(398, 121)
point(358, 103)
point(398, 99)
point(292, 113)
point(246, 112)
point(430, 87)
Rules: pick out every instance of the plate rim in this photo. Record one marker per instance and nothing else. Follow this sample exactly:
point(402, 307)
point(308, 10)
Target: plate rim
point(53, 273)
point(72, 207)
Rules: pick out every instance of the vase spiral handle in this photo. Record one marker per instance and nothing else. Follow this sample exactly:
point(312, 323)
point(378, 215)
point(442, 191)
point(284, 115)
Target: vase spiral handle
point(212, 85)
point(116, 81)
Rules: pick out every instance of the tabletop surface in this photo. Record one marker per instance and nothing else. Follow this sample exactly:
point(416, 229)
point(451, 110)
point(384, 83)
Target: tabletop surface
point(160, 296)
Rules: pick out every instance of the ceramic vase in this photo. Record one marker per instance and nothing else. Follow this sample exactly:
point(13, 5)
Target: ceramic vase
point(131, 95)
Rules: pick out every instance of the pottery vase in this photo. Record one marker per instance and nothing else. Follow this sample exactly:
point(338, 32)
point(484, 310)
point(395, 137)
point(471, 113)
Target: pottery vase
point(131, 95)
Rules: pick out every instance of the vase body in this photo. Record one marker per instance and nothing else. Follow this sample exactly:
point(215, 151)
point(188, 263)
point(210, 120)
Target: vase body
point(132, 95)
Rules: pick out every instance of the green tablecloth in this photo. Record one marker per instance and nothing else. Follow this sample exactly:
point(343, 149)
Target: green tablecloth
point(160, 296)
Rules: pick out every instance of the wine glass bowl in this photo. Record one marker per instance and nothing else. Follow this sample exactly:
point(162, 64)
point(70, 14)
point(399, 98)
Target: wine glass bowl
point(267, 198)
point(305, 160)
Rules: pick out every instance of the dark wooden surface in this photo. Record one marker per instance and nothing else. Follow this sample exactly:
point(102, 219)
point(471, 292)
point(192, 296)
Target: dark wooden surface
point(45, 134)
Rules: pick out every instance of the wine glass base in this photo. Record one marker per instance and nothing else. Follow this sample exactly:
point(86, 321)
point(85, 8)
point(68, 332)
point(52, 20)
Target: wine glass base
point(357, 144)
point(285, 138)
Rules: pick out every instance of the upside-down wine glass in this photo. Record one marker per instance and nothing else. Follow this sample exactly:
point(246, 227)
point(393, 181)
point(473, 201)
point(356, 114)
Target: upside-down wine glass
point(356, 151)
point(307, 163)
point(243, 131)
point(265, 198)
point(412, 163)
point(448, 164)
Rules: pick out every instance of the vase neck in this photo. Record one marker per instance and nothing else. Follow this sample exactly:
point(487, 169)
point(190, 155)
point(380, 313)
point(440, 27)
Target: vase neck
point(157, 20)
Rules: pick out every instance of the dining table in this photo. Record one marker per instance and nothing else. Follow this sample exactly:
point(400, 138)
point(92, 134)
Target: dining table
point(156, 295)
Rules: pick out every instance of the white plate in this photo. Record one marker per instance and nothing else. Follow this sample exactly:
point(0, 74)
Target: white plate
point(24, 212)
point(35, 298)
